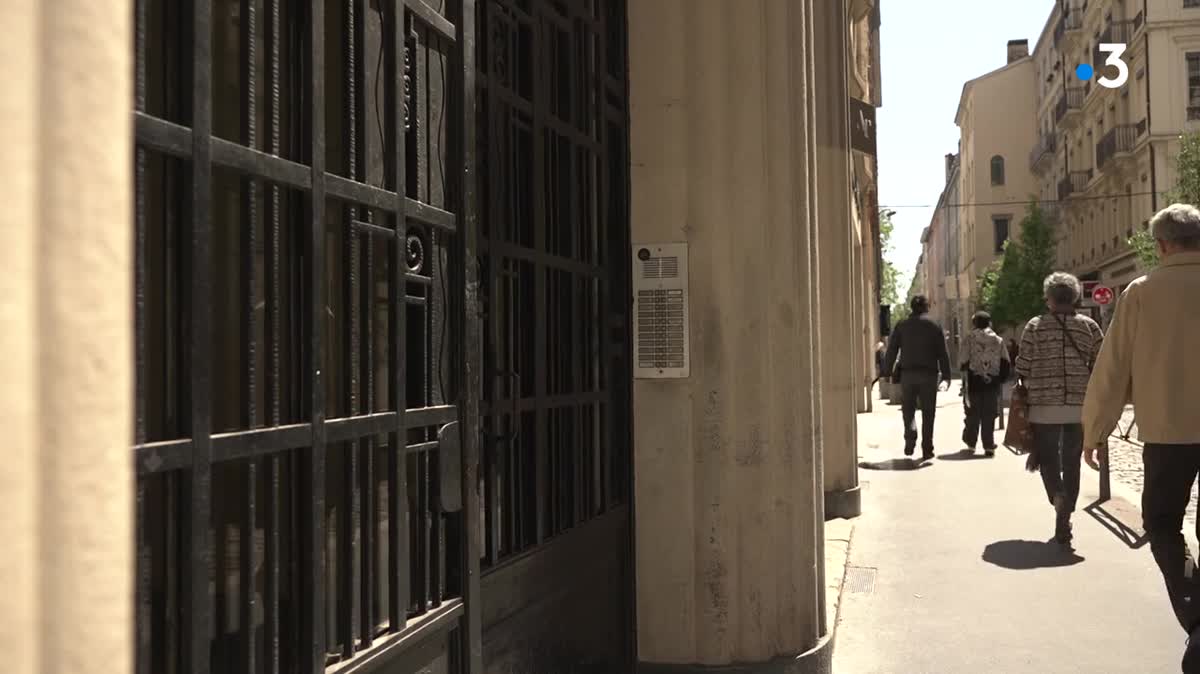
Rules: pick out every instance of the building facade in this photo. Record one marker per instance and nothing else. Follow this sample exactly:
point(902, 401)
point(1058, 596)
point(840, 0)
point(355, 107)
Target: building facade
point(996, 114)
point(939, 255)
point(420, 337)
point(1106, 157)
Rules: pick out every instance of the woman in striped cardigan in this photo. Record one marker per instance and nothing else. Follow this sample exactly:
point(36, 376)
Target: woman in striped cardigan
point(1054, 363)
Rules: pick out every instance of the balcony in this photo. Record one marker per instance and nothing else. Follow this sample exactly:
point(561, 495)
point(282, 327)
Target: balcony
point(1118, 142)
point(1074, 184)
point(1120, 32)
point(1069, 27)
point(1043, 150)
point(1070, 102)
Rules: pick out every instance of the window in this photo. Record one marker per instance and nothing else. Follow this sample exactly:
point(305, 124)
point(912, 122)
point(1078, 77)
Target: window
point(1193, 70)
point(997, 170)
point(1000, 231)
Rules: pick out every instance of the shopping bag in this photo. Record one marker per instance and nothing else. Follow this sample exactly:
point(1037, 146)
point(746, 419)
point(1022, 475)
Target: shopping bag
point(1018, 434)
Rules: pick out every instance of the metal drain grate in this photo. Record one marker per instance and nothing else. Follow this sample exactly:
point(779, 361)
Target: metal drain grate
point(860, 579)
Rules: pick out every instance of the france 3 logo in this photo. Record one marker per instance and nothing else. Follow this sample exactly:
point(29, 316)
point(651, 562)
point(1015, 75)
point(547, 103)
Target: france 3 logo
point(1115, 50)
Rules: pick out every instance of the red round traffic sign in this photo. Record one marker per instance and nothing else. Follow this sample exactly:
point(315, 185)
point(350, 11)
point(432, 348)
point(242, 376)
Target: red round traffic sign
point(1102, 295)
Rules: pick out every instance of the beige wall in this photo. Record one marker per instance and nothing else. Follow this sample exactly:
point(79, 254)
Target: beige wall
point(998, 117)
point(66, 510)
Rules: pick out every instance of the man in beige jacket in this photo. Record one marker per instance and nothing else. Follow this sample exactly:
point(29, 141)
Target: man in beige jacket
point(1151, 358)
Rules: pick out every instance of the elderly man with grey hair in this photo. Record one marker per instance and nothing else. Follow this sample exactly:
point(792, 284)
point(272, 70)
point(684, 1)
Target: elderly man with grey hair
point(1055, 361)
point(1152, 359)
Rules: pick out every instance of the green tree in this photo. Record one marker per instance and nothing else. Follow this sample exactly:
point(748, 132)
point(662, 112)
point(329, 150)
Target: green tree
point(889, 291)
point(1011, 289)
point(1186, 191)
point(902, 310)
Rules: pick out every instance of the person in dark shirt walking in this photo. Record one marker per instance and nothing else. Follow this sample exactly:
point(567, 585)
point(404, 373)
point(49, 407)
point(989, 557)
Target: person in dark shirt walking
point(920, 344)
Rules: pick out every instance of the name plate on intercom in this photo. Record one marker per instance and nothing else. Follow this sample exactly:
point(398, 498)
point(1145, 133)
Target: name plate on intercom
point(660, 311)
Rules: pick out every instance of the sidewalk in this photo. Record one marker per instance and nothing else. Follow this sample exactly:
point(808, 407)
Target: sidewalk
point(1125, 457)
point(949, 570)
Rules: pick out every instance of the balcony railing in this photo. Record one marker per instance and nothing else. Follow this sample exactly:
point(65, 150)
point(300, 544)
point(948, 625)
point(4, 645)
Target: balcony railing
point(1045, 146)
point(1118, 140)
point(1070, 100)
point(1075, 183)
point(1117, 31)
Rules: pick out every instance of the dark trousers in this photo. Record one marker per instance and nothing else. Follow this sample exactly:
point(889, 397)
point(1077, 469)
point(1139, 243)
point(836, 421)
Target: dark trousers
point(981, 416)
point(918, 390)
point(1060, 451)
point(1170, 471)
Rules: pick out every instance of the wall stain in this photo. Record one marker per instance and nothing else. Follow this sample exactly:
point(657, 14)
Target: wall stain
point(753, 450)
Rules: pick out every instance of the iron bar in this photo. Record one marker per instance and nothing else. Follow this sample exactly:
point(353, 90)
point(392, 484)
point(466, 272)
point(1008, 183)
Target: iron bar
point(366, 301)
point(249, 201)
point(463, 169)
point(272, 331)
point(197, 608)
point(312, 629)
point(347, 540)
point(432, 19)
point(398, 517)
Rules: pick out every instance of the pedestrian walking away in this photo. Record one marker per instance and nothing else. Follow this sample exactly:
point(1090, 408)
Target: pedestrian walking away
point(985, 368)
point(1150, 359)
point(917, 358)
point(1055, 361)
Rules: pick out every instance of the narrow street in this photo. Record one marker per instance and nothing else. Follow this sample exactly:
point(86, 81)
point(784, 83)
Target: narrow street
point(950, 570)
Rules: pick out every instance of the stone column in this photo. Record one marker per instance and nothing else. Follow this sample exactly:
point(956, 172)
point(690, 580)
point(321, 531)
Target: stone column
point(839, 385)
point(729, 525)
point(66, 299)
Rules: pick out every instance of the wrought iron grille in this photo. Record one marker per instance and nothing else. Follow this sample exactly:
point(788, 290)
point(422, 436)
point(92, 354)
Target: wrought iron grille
point(553, 254)
point(300, 342)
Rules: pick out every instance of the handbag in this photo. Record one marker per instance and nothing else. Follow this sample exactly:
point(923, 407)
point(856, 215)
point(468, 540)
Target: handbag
point(1018, 433)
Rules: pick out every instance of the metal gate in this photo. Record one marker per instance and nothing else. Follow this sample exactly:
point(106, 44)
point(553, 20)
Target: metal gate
point(306, 378)
point(553, 255)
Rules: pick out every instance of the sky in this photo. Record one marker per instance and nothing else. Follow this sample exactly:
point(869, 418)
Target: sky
point(929, 49)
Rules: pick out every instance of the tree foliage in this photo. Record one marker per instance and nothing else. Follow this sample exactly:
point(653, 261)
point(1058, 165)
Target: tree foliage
point(1186, 191)
point(889, 291)
point(1011, 288)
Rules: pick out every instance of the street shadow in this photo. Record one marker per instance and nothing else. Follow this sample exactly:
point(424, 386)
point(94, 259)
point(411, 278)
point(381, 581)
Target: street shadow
point(895, 464)
point(1111, 520)
point(965, 455)
point(1027, 555)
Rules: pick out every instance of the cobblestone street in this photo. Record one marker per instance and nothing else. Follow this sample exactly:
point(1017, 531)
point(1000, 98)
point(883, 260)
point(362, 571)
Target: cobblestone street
point(1125, 457)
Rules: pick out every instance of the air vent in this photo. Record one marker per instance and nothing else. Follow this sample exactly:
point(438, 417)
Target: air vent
point(660, 316)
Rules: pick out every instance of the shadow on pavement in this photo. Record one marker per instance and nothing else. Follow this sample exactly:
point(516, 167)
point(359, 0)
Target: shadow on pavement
point(1027, 555)
point(965, 455)
point(895, 464)
point(1134, 538)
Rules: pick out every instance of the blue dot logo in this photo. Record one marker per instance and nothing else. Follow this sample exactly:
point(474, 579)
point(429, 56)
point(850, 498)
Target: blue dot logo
point(1084, 72)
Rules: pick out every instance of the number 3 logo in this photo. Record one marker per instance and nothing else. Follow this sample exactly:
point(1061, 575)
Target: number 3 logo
point(1114, 51)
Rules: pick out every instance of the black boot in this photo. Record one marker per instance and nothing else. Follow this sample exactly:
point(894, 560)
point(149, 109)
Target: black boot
point(1062, 521)
point(1191, 654)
